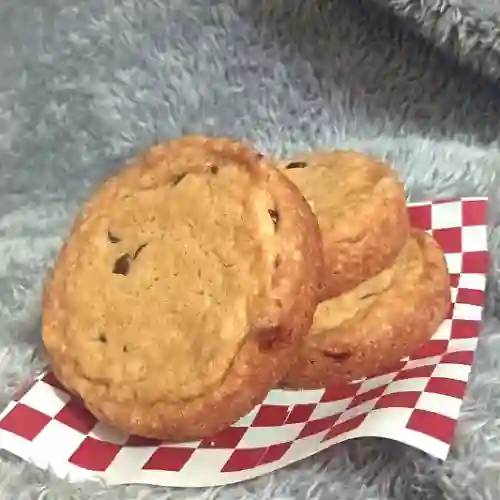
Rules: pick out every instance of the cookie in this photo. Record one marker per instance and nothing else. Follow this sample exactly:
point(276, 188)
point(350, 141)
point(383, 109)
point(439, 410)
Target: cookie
point(371, 328)
point(181, 295)
point(361, 209)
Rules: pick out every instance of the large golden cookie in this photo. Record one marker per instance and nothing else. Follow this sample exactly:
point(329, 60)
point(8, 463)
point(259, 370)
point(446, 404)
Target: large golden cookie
point(371, 328)
point(182, 293)
point(361, 209)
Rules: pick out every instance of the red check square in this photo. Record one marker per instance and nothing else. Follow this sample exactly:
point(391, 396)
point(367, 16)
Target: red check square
point(468, 296)
point(368, 396)
point(430, 349)
point(346, 426)
point(94, 455)
point(475, 262)
point(169, 458)
point(464, 329)
point(316, 426)
point(339, 392)
point(420, 217)
point(275, 452)
point(450, 240)
point(459, 358)
point(24, 421)
point(227, 438)
point(270, 415)
point(417, 372)
point(300, 413)
point(244, 459)
point(447, 387)
point(432, 424)
point(398, 400)
point(76, 416)
point(474, 212)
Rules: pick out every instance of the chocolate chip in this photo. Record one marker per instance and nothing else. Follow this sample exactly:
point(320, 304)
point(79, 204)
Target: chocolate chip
point(178, 178)
point(125, 348)
point(139, 250)
point(102, 338)
point(338, 355)
point(112, 238)
point(275, 216)
point(296, 164)
point(122, 265)
point(214, 169)
point(277, 261)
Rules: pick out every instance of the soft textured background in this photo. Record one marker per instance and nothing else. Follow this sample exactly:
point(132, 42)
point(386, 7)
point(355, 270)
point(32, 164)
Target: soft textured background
point(468, 30)
point(86, 84)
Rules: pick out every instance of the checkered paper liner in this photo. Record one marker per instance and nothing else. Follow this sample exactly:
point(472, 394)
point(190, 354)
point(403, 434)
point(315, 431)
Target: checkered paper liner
point(418, 403)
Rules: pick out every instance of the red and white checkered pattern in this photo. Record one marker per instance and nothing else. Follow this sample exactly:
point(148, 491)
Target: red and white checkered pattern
point(418, 403)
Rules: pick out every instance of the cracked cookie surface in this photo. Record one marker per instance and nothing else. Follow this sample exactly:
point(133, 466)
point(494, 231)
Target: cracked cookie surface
point(369, 329)
point(181, 295)
point(361, 209)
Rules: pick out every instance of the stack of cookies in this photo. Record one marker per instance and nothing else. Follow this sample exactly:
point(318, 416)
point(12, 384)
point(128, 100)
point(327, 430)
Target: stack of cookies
point(202, 275)
point(384, 287)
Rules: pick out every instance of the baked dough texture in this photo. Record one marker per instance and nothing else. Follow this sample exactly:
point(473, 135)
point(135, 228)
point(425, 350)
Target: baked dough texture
point(369, 329)
point(181, 295)
point(361, 209)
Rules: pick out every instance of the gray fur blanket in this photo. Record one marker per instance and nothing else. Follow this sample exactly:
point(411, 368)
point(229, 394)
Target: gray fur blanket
point(467, 30)
point(86, 84)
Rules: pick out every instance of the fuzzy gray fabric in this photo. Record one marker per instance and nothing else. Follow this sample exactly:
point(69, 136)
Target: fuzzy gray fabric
point(84, 85)
point(468, 30)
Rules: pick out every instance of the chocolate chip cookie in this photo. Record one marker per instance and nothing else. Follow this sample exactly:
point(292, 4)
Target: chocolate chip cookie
point(369, 329)
point(182, 293)
point(361, 209)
